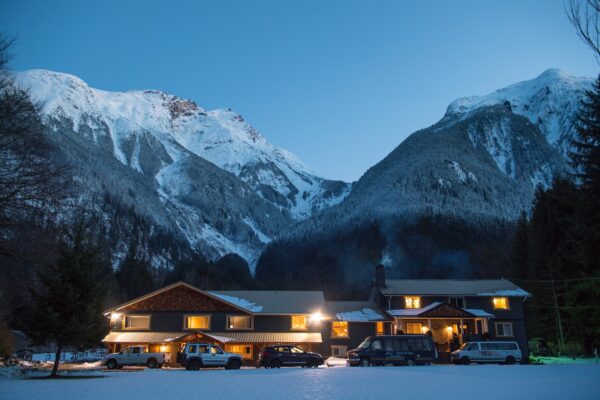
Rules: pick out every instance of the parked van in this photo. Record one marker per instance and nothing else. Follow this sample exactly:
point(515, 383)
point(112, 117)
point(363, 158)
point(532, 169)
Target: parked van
point(481, 352)
point(393, 350)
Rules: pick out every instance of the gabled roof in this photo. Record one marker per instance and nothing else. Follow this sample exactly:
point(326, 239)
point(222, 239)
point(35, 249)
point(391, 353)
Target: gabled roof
point(453, 287)
point(439, 310)
point(354, 311)
point(274, 301)
point(169, 287)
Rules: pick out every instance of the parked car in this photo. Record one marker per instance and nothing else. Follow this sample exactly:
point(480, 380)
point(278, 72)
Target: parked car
point(484, 352)
point(288, 356)
point(393, 350)
point(537, 347)
point(205, 355)
point(134, 355)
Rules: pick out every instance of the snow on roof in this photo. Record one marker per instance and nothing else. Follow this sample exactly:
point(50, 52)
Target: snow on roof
point(478, 313)
point(508, 293)
point(364, 315)
point(240, 302)
point(411, 312)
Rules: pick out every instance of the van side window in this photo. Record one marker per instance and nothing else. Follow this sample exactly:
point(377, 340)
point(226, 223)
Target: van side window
point(415, 345)
point(427, 345)
point(473, 346)
point(376, 345)
point(389, 346)
point(507, 346)
point(489, 346)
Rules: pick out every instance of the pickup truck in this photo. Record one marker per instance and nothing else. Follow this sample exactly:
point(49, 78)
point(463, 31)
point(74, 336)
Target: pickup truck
point(134, 355)
point(204, 355)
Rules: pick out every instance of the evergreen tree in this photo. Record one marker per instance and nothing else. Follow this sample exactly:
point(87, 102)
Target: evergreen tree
point(68, 305)
point(134, 276)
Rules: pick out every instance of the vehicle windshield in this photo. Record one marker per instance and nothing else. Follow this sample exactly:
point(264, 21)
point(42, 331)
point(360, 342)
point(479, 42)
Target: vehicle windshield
point(365, 344)
point(464, 346)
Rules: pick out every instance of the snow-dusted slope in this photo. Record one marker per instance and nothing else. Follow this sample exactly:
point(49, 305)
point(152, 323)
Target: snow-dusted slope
point(549, 101)
point(219, 136)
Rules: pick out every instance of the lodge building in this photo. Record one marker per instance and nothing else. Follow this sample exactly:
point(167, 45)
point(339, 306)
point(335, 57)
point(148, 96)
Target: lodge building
point(243, 322)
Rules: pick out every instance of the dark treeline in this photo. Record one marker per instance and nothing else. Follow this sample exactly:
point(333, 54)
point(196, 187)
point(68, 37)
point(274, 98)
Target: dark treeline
point(556, 253)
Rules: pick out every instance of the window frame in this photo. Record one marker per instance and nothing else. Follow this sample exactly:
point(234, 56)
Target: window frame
point(239, 329)
point(292, 322)
point(501, 308)
point(463, 298)
point(339, 347)
point(512, 331)
point(347, 330)
point(126, 328)
point(418, 298)
point(185, 319)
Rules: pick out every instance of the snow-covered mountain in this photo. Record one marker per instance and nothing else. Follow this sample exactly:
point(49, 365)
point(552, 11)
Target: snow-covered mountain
point(207, 177)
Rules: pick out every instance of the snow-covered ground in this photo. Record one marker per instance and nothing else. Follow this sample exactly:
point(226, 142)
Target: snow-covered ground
point(434, 382)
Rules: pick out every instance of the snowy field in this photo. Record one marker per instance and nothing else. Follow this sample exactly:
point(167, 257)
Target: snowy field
point(434, 382)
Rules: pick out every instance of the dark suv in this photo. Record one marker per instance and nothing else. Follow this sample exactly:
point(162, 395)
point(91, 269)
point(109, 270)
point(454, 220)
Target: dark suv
point(288, 356)
point(393, 350)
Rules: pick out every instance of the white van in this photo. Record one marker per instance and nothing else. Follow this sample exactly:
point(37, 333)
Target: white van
point(480, 352)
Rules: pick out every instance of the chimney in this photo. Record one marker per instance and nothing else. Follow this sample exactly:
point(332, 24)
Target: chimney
point(380, 276)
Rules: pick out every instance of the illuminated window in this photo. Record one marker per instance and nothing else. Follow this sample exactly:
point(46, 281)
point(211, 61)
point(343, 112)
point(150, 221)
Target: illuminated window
point(379, 328)
point(414, 328)
point(504, 329)
point(339, 329)
point(500, 303)
point(197, 322)
point(412, 302)
point(136, 322)
point(239, 322)
point(299, 322)
point(244, 350)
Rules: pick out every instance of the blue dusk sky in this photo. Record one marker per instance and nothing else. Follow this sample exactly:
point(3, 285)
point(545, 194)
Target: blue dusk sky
point(338, 83)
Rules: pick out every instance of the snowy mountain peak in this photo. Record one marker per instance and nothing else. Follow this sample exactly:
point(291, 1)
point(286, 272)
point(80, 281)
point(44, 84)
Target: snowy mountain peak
point(549, 101)
point(220, 136)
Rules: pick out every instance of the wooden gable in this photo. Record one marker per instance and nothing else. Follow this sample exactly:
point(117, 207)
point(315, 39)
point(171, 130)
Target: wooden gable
point(180, 298)
point(446, 310)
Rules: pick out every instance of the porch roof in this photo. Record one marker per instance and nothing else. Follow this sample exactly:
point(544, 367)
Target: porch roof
point(143, 337)
point(440, 310)
point(223, 337)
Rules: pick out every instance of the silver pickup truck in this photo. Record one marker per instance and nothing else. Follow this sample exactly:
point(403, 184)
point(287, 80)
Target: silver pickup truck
point(134, 355)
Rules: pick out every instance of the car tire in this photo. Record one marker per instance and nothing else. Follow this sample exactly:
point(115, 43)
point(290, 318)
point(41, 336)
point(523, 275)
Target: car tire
point(365, 362)
point(275, 364)
point(510, 360)
point(465, 360)
point(313, 364)
point(233, 364)
point(410, 363)
point(112, 364)
point(152, 363)
point(195, 365)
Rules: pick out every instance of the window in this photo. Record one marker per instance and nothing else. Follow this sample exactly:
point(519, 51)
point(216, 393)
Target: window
point(136, 322)
point(400, 345)
point(379, 329)
point(472, 347)
point(376, 345)
point(297, 350)
point(339, 329)
point(504, 329)
point(299, 322)
point(239, 322)
point(244, 350)
point(507, 346)
point(489, 346)
point(192, 348)
point(413, 328)
point(500, 303)
point(457, 301)
point(215, 350)
point(388, 345)
point(196, 322)
point(339, 351)
point(412, 302)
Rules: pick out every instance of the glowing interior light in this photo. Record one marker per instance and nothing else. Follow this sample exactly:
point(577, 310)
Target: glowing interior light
point(115, 316)
point(164, 348)
point(316, 317)
point(449, 328)
point(424, 329)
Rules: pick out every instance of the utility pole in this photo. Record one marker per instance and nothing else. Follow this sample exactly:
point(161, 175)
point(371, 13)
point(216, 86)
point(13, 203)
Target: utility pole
point(561, 338)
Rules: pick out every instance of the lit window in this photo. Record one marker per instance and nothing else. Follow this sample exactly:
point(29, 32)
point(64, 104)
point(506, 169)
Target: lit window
point(414, 328)
point(379, 328)
point(239, 322)
point(339, 329)
point(500, 303)
point(339, 351)
point(504, 329)
point(244, 350)
point(197, 322)
point(299, 322)
point(412, 302)
point(136, 322)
